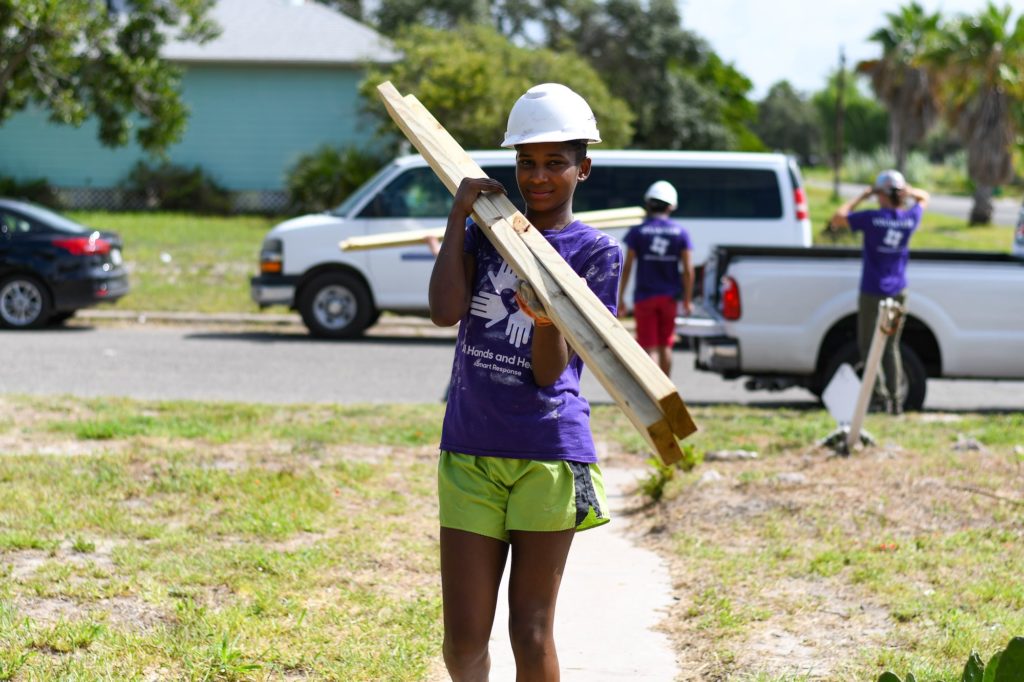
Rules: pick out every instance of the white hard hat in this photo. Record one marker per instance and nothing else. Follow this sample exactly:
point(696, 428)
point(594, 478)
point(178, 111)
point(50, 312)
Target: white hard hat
point(662, 190)
point(889, 180)
point(550, 112)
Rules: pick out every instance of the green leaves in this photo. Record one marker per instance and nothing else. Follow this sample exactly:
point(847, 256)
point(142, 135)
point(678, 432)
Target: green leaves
point(1005, 666)
point(470, 78)
point(77, 60)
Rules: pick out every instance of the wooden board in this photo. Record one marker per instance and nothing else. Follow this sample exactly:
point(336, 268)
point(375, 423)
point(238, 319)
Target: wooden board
point(489, 208)
point(587, 324)
point(603, 220)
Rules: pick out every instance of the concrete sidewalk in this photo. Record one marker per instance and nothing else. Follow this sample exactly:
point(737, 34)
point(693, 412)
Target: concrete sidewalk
point(613, 596)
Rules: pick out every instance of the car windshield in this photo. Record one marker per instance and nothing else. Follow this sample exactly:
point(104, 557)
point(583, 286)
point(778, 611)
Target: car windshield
point(354, 199)
point(53, 220)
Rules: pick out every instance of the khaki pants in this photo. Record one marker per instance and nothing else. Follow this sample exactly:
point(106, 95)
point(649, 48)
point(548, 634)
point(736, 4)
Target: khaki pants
point(891, 370)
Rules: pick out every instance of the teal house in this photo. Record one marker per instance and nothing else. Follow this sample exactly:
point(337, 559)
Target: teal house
point(281, 80)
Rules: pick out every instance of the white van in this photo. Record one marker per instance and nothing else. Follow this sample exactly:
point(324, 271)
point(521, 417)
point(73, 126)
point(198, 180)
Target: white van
point(724, 198)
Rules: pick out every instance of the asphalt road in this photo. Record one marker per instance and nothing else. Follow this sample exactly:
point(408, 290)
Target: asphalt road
point(284, 365)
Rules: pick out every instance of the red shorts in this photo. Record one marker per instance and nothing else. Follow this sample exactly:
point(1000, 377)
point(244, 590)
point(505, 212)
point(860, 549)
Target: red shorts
point(655, 321)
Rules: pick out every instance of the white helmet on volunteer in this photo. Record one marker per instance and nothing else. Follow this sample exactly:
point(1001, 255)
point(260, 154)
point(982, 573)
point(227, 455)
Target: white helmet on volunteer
point(890, 180)
point(662, 190)
point(550, 112)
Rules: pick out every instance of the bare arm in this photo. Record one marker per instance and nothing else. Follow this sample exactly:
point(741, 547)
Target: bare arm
point(918, 195)
point(549, 354)
point(686, 257)
point(627, 268)
point(838, 220)
point(450, 280)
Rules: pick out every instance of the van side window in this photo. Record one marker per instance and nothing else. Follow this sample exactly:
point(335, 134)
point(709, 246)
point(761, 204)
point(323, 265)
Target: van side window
point(706, 193)
point(418, 193)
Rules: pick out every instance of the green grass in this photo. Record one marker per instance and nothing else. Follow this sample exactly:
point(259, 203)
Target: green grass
point(182, 262)
point(219, 541)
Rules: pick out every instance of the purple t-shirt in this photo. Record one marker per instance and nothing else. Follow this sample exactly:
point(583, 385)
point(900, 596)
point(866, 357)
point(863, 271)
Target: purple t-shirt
point(495, 408)
point(658, 243)
point(886, 247)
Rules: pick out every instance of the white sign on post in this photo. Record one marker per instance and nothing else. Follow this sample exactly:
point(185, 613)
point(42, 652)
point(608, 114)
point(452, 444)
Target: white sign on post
point(840, 396)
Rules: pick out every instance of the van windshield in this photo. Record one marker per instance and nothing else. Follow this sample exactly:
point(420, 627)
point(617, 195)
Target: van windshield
point(356, 198)
point(706, 193)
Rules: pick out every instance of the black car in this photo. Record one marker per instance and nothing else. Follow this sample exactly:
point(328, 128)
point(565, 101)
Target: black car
point(51, 266)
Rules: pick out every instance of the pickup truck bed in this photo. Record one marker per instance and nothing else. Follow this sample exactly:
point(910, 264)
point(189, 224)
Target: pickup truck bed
point(787, 316)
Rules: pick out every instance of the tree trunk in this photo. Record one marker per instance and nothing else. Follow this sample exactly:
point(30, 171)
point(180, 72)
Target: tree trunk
point(981, 212)
point(897, 143)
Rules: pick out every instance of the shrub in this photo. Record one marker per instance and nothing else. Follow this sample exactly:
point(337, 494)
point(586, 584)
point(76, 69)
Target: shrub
point(324, 178)
point(948, 177)
point(170, 187)
point(37, 191)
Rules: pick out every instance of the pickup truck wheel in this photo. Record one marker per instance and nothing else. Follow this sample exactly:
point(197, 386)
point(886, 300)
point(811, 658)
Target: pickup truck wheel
point(24, 303)
point(915, 378)
point(335, 305)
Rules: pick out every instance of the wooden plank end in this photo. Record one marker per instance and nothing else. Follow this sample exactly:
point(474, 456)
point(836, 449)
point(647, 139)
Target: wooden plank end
point(678, 416)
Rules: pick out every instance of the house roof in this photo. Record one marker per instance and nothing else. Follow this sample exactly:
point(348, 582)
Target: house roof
point(284, 32)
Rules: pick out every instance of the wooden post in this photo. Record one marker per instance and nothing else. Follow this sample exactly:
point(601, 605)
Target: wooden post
point(643, 392)
point(604, 220)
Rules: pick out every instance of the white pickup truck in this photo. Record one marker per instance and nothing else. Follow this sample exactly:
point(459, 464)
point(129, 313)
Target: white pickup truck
point(788, 317)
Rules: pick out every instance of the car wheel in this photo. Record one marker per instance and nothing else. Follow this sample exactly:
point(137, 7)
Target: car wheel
point(913, 386)
point(336, 305)
point(24, 303)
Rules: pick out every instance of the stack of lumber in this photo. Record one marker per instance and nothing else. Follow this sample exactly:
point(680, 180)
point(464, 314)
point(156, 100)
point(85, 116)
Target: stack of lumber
point(603, 220)
point(639, 387)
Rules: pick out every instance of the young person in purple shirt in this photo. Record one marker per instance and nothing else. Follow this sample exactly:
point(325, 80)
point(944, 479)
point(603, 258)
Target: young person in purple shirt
point(659, 246)
point(518, 468)
point(887, 231)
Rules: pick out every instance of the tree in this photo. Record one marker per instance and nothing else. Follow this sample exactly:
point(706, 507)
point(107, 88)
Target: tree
point(908, 89)
point(981, 59)
point(684, 95)
point(786, 121)
point(469, 79)
point(351, 8)
point(865, 122)
point(80, 59)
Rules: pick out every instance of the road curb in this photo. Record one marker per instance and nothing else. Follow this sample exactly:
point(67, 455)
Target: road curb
point(267, 319)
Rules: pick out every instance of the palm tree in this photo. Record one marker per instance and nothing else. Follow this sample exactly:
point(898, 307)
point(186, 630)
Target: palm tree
point(981, 58)
point(906, 87)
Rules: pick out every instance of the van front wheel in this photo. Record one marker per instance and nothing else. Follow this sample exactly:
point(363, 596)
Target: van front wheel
point(335, 305)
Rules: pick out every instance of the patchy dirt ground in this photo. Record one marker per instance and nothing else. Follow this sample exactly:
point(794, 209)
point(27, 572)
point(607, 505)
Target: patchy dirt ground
point(739, 537)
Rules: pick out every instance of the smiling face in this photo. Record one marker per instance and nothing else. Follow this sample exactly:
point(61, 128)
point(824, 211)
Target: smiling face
point(547, 174)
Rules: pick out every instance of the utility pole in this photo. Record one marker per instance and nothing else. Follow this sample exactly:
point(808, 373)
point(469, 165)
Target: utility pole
point(838, 156)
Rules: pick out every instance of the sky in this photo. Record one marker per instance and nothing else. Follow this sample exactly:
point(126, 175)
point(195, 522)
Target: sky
point(799, 40)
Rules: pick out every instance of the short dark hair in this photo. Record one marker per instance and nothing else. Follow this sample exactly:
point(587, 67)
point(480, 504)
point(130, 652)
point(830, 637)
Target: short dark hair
point(657, 206)
point(579, 149)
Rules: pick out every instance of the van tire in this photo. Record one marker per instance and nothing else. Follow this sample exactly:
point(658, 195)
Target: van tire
point(913, 370)
point(335, 305)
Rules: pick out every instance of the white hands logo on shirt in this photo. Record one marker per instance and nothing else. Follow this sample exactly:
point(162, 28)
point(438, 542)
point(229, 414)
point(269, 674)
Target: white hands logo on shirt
point(504, 279)
point(659, 245)
point(491, 306)
point(518, 328)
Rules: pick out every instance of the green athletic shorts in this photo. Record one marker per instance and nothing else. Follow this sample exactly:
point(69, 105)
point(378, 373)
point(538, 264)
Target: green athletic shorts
point(494, 495)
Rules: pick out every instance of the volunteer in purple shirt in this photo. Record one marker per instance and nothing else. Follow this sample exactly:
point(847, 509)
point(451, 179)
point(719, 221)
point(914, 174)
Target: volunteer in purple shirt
point(887, 231)
point(664, 273)
point(518, 473)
